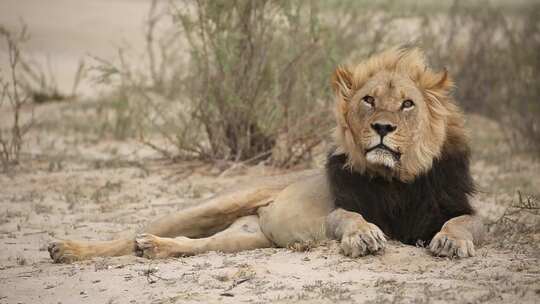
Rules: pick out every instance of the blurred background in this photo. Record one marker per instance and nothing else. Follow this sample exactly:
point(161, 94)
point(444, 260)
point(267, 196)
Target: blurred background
point(249, 80)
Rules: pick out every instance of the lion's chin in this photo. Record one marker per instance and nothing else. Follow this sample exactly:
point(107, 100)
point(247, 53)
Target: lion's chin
point(382, 157)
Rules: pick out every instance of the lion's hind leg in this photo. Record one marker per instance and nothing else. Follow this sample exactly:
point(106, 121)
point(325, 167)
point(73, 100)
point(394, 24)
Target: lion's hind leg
point(244, 234)
point(226, 209)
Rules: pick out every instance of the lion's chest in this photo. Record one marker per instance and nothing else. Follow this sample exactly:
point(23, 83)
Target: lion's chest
point(408, 212)
point(403, 214)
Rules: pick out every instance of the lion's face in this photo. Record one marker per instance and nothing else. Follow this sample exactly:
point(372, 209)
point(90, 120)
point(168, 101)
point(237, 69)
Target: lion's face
point(393, 114)
point(385, 114)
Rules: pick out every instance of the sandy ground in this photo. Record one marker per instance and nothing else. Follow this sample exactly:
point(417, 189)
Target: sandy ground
point(84, 186)
point(77, 181)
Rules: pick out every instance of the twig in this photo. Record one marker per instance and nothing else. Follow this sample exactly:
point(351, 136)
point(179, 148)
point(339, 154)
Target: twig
point(151, 273)
point(235, 283)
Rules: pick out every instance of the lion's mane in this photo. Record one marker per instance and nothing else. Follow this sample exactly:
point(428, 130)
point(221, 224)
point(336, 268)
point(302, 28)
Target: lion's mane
point(435, 184)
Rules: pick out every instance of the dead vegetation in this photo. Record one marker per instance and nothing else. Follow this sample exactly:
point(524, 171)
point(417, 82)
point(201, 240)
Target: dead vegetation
point(23, 84)
point(40, 83)
point(519, 224)
point(237, 96)
point(14, 97)
point(492, 54)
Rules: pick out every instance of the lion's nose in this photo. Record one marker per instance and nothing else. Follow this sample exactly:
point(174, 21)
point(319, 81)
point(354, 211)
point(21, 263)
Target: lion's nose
point(383, 128)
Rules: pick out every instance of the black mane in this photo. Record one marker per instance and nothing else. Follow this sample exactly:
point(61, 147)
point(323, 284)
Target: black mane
point(408, 212)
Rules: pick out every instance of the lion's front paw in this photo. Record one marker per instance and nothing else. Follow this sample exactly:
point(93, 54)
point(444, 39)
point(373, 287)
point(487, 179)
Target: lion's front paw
point(65, 251)
point(445, 244)
point(368, 239)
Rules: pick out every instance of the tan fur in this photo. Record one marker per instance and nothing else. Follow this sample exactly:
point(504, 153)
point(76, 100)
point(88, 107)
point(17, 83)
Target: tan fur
point(298, 208)
point(458, 236)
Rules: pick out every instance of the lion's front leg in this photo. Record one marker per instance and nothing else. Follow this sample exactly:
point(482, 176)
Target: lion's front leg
point(358, 237)
point(457, 237)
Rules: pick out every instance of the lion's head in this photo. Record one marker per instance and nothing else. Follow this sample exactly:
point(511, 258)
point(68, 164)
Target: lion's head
point(395, 115)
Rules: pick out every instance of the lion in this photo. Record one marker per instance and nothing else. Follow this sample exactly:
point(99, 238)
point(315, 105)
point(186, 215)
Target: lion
point(399, 170)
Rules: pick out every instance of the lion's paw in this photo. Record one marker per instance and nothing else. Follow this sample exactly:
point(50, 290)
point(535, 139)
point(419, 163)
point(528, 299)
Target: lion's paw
point(367, 239)
point(153, 247)
point(148, 246)
point(445, 244)
point(64, 251)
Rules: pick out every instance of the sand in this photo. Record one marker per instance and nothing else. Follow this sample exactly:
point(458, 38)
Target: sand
point(72, 187)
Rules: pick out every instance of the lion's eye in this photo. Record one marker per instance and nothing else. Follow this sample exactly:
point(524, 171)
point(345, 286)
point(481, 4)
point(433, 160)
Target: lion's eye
point(407, 104)
point(369, 100)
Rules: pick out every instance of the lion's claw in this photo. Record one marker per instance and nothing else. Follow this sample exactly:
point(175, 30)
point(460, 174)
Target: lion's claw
point(368, 239)
point(444, 244)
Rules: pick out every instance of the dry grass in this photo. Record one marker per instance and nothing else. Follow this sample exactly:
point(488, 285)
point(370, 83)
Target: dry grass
point(12, 95)
point(24, 84)
point(519, 224)
point(492, 54)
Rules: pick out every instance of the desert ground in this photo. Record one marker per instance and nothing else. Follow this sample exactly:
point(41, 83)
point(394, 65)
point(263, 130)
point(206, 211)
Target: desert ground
point(76, 186)
point(76, 183)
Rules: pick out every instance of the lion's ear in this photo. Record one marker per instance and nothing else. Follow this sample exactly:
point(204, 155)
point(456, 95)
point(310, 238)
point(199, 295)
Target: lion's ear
point(342, 82)
point(439, 82)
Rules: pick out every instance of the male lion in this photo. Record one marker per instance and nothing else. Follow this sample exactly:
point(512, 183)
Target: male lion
point(400, 170)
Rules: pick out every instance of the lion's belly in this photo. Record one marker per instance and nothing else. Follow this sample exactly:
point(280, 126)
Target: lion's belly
point(298, 214)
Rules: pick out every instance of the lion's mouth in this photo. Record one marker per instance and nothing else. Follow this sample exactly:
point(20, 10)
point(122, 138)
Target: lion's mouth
point(395, 154)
